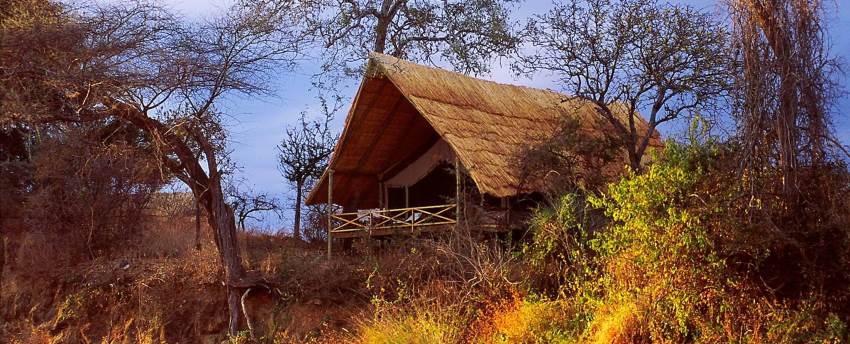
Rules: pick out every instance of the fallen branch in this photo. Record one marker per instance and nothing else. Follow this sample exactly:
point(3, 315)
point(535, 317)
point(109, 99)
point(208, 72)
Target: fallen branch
point(245, 312)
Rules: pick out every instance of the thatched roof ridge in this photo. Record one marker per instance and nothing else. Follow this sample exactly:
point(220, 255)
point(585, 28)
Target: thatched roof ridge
point(488, 125)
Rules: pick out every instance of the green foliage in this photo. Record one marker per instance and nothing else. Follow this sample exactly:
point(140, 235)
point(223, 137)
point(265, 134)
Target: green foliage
point(673, 254)
point(657, 252)
point(560, 235)
point(71, 307)
point(563, 259)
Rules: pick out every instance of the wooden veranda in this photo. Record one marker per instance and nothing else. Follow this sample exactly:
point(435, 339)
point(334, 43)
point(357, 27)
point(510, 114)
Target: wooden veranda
point(378, 222)
point(387, 221)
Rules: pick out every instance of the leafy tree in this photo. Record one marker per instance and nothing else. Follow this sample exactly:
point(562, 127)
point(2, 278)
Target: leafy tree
point(303, 155)
point(466, 33)
point(570, 159)
point(631, 55)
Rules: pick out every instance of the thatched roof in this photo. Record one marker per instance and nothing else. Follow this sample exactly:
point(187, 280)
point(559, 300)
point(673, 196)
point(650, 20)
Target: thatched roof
point(402, 108)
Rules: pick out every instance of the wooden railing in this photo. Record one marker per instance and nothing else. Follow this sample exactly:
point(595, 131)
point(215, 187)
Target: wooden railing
point(366, 221)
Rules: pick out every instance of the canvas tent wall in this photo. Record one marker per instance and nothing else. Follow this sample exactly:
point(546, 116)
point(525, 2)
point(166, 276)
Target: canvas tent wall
point(426, 163)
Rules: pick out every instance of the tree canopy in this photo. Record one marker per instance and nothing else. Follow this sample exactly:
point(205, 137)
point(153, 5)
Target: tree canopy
point(467, 34)
point(671, 60)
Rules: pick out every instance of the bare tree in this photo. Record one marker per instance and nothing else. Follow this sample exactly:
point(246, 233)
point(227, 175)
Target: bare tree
point(635, 55)
point(304, 153)
point(137, 63)
point(246, 203)
point(784, 86)
point(465, 33)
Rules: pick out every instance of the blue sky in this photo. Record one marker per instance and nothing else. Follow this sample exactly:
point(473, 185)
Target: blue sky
point(257, 124)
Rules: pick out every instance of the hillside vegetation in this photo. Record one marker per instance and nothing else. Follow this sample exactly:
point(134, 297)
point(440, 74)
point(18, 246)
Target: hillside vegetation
point(663, 256)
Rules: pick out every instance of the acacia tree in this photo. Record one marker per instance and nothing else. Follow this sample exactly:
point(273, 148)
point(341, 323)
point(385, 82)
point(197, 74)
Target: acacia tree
point(303, 155)
point(465, 33)
point(246, 202)
point(136, 63)
point(666, 60)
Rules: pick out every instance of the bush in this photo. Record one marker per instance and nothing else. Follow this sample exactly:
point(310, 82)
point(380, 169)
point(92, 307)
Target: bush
point(90, 187)
point(657, 254)
point(531, 320)
point(677, 262)
point(559, 253)
point(423, 325)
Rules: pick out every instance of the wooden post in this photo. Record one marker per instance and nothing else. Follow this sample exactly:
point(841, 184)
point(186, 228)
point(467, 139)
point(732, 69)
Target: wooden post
point(198, 224)
point(386, 192)
point(457, 190)
point(407, 206)
point(506, 204)
point(380, 194)
point(330, 209)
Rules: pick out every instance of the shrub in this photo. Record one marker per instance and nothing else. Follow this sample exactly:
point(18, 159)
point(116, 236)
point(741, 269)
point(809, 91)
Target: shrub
point(531, 320)
point(559, 252)
point(657, 254)
point(91, 185)
point(421, 326)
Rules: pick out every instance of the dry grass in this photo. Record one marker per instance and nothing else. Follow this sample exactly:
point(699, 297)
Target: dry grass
point(528, 320)
point(422, 327)
point(150, 287)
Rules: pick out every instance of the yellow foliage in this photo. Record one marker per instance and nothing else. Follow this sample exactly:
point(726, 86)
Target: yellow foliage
point(418, 328)
point(615, 326)
point(530, 321)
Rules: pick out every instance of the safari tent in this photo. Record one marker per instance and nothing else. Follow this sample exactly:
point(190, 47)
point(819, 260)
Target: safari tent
point(417, 139)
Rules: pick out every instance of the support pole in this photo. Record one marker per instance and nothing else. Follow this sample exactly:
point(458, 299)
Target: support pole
point(380, 194)
point(386, 192)
point(457, 190)
point(330, 209)
point(407, 207)
point(506, 203)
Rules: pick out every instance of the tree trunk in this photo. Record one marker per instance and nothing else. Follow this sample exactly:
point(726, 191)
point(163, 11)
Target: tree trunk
point(2, 267)
point(381, 36)
point(207, 190)
point(296, 229)
point(634, 160)
point(382, 27)
point(197, 225)
point(223, 223)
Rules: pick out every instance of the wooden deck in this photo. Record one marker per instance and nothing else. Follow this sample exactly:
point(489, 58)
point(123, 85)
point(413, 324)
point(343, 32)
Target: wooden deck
point(379, 222)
